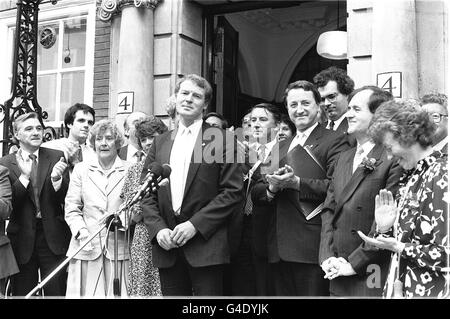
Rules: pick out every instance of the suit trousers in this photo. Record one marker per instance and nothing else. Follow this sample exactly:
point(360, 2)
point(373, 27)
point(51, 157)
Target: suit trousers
point(44, 260)
point(299, 279)
point(184, 280)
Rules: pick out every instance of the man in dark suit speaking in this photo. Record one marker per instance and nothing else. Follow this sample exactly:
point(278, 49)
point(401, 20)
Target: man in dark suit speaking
point(187, 220)
point(38, 232)
point(306, 163)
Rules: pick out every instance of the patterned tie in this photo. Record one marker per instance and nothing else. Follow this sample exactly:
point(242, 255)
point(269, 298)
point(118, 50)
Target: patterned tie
point(332, 125)
point(358, 157)
point(80, 154)
point(248, 205)
point(262, 152)
point(33, 181)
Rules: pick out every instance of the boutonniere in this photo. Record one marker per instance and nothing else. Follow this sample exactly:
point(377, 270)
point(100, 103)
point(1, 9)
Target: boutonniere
point(368, 164)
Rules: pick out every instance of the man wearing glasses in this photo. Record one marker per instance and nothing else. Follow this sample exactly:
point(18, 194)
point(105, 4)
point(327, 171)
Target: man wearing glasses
point(334, 86)
point(435, 104)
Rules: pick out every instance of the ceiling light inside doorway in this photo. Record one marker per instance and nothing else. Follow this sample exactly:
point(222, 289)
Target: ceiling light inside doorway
point(333, 44)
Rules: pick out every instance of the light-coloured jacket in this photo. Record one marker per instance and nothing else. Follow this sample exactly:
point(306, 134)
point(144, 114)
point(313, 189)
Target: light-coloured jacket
point(92, 195)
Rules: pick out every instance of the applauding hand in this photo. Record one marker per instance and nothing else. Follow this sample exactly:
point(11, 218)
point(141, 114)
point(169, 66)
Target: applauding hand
point(385, 210)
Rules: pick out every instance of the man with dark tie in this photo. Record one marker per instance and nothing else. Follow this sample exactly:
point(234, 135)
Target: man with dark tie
point(132, 152)
point(306, 164)
point(354, 268)
point(38, 232)
point(188, 219)
point(249, 266)
point(78, 120)
point(334, 86)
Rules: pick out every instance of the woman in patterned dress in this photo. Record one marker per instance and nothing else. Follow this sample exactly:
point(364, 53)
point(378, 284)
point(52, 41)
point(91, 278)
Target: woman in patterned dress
point(143, 277)
point(415, 226)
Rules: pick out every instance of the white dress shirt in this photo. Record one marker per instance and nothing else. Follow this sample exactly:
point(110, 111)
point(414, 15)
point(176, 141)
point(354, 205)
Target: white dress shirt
point(337, 122)
point(361, 151)
point(301, 137)
point(180, 159)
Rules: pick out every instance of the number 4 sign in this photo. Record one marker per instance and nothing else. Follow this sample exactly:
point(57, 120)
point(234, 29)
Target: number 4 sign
point(391, 82)
point(125, 102)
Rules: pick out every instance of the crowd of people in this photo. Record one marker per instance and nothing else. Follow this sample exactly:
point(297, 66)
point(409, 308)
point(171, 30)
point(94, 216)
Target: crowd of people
point(341, 192)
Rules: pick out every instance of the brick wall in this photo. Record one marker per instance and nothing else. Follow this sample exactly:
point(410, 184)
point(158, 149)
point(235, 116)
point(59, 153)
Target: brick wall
point(101, 68)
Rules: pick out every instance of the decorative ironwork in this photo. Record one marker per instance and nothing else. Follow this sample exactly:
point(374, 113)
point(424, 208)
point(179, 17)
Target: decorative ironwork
point(24, 76)
point(108, 8)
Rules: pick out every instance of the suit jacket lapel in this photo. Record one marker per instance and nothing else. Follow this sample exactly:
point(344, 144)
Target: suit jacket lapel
point(164, 154)
point(313, 139)
point(357, 177)
point(116, 177)
point(43, 168)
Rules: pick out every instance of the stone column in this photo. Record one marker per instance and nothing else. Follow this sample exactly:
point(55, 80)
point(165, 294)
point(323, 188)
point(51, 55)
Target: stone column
point(394, 43)
point(135, 60)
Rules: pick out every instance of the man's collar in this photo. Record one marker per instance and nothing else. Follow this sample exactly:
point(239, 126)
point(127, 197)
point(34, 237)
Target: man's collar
point(308, 131)
point(26, 155)
point(338, 121)
point(194, 127)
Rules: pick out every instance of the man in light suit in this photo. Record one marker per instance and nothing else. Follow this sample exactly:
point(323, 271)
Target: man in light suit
point(349, 205)
point(37, 230)
point(293, 241)
point(188, 219)
point(8, 265)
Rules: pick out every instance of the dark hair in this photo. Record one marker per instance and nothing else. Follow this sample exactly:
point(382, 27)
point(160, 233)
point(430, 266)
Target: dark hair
point(306, 86)
point(285, 119)
point(345, 84)
point(219, 116)
point(434, 97)
point(200, 82)
point(407, 124)
point(148, 126)
point(377, 97)
point(69, 116)
point(274, 110)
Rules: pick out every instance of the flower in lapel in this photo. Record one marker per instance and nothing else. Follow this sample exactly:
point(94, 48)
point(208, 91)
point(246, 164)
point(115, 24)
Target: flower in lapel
point(368, 164)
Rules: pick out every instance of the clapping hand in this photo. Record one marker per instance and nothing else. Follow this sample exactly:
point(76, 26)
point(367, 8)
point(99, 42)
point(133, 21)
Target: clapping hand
point(282, 178)
point(24, 167)
point(58, 169)
point(385, 210)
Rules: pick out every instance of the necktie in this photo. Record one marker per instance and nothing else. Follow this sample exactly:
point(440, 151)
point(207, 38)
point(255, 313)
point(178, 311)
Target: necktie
point(332, 125)
point(262, 152)
point(248, 205)
point(139, 156)
point(358, 157)
point(33, 181)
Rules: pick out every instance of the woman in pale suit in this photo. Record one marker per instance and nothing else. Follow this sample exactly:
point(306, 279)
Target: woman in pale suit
point(94, 193)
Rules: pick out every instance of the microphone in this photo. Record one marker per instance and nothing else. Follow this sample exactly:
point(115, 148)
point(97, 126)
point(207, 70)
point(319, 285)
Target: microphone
point(155, 174)
point(164, 180)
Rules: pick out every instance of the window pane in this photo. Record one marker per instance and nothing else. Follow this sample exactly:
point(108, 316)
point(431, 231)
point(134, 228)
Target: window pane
point(72, 90)
point(74, 49)
point(47, 47)
point(46, 92)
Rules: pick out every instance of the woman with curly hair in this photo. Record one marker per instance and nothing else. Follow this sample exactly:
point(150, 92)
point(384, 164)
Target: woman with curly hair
point(144, 278)
point(414, 226)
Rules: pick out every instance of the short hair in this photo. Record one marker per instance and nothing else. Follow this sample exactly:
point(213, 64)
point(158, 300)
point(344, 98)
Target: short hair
point(306, 86)
point(272, 109)
point(286, 120)
point(171, 106)
point(148, 126)
point(219, 116)
point(101, 127)
point(200, 82)
point(22, 118)
point(377, 97)
point(138, 114)
point(407, 124)
point(434, 97)
point(345, 84)
point(69, 116)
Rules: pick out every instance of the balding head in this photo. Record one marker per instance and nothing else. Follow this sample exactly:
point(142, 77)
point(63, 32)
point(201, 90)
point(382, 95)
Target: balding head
point(129, 127)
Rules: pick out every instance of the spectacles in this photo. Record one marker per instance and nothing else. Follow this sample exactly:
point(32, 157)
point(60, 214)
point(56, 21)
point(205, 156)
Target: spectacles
point(437, 117)
point(330, 97)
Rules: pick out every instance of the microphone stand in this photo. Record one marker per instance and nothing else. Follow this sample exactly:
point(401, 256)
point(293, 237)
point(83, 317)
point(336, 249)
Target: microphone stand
point(116, 223)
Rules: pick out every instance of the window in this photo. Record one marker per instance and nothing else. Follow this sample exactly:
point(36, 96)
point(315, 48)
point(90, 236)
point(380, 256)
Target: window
point(65, 50)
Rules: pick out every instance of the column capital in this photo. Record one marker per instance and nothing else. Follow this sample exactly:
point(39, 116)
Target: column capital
point(106, 9)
